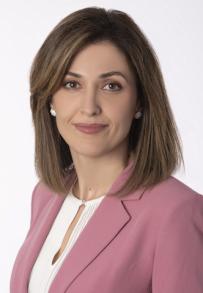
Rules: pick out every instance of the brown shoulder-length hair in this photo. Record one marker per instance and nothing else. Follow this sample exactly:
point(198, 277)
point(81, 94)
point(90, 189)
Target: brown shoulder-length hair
point(153, 139)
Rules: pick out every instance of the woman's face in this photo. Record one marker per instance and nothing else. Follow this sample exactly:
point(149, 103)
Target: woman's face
point(93, 99)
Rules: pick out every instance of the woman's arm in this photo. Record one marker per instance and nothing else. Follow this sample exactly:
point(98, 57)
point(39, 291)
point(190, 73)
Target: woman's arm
point(178, 262)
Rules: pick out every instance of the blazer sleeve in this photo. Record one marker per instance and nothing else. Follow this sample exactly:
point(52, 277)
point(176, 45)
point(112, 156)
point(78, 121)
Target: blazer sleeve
point(178, 259)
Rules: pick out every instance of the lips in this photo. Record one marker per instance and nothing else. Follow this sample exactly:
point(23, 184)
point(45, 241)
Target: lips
point(90, 128)
point(90, 125)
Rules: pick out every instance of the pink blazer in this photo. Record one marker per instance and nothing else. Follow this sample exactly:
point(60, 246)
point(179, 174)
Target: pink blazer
point(149, 241)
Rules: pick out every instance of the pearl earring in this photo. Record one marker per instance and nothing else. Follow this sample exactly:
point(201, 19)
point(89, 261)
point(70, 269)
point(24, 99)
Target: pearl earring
point(53, 113)
point(71, 166)
point(138, 115)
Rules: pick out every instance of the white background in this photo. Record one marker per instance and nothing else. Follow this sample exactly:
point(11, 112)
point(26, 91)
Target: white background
point(175, 31)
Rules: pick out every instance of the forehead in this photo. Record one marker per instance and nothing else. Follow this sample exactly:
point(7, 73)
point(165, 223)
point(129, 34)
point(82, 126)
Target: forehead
point(100, 57)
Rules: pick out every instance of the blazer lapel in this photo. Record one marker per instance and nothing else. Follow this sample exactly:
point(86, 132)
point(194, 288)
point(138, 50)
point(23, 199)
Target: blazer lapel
point(101, 229)
point(34, 242)
point(95, 236)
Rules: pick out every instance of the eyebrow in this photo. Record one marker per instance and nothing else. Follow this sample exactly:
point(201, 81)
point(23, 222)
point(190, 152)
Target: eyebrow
point(103, 75)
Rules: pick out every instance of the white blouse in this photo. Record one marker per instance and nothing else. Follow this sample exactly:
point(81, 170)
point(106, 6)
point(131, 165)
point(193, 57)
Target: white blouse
point(43, 272)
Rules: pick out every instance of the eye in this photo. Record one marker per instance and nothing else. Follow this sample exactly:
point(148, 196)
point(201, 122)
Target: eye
point(70, 82)
point(119, 87)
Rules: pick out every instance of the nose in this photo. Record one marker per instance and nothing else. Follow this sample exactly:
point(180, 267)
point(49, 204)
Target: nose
point(89, 105)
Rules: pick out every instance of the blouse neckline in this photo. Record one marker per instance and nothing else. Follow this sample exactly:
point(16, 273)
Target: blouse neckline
point(86, 202)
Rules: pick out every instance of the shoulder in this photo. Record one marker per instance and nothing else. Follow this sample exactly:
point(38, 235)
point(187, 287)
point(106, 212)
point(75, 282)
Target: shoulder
point(173, 199)
point(170, 198)
point(42, 193)
point(41, 196)
point(171, 192)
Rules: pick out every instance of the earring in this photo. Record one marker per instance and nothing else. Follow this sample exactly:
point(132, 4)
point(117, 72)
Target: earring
point(71, 166)
point(52, 111)
point(138, 115)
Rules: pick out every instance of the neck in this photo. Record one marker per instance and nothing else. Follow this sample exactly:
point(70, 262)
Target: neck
point(98, 187)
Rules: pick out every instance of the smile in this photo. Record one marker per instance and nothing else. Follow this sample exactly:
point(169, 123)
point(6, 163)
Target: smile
point(90, 129)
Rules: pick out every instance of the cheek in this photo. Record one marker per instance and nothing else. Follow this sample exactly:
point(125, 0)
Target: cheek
point(122, 113)
point(62, 103)
point(64, 111)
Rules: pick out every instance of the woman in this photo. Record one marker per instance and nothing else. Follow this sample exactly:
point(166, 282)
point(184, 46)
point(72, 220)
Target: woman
point(107, 214)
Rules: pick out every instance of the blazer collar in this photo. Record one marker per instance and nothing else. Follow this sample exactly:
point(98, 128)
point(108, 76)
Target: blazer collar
point(100, 230)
